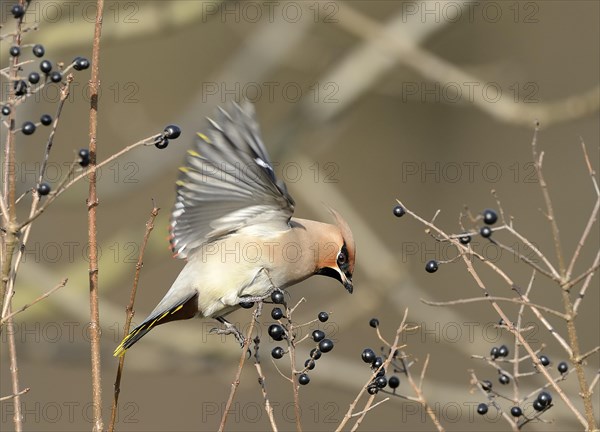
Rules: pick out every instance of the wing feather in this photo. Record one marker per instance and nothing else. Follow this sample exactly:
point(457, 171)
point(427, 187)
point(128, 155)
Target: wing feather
point(227, 183)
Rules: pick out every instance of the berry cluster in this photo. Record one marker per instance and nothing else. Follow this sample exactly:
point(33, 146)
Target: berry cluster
point(543, 400)
point(24, 87)
point(278, 333)
point(171, 132)
point(489, 216)
point(380, 381)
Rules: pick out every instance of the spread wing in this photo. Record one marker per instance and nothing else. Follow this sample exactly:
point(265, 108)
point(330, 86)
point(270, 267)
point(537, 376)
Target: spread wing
point(228, 183)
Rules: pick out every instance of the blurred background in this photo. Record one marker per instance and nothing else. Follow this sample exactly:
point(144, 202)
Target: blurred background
point(360, 103)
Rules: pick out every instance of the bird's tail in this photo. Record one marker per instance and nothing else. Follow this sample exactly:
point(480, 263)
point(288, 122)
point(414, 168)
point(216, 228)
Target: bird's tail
point(184, 309)
point(134, 336)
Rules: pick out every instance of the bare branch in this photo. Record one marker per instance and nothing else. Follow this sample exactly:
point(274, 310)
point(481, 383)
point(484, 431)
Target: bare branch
point(130, 312)
point(37, 300)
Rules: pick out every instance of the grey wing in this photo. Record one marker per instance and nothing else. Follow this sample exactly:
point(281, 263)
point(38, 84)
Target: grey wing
point(228, 183)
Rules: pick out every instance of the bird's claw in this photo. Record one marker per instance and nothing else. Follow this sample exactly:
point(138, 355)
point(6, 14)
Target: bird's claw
point(229, 329)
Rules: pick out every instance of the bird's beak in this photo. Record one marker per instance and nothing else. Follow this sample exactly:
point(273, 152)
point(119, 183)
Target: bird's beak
point(348, 284)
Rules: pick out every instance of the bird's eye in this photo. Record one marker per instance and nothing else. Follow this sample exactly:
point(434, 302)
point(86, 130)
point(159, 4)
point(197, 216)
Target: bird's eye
point(341, 259)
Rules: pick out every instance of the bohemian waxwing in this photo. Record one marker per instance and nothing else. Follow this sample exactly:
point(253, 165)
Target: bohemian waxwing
point(232, 221)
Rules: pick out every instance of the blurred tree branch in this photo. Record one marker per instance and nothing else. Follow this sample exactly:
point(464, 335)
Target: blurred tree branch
point(406, 50)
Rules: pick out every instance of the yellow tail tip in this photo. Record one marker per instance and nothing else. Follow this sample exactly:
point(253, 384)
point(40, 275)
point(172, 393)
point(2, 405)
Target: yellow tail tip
point(120, 351)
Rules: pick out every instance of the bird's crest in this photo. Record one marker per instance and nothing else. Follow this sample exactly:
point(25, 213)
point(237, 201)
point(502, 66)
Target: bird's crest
point(346, 235)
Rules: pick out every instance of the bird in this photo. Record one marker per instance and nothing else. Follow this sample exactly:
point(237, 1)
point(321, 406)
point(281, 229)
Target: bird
point(233, 223)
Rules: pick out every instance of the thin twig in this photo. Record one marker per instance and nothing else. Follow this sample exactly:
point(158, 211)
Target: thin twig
point(538, 162)
point(263, 387)
point(64, 94)
point(526, 260)
point(92, 204)
point(14, 376)
point(12, 396)
point(493, 298)
point(37, 300)
point(593, 216)
point(421, 397)
point(363, 412)
point(582, 357)
point(584, 275)
point(130, 312)
point(292, 352)
point(595, 381)
point(236, 381)
point(584, 287)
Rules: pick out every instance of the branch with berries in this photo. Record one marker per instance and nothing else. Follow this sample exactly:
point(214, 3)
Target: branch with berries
point(560, 274)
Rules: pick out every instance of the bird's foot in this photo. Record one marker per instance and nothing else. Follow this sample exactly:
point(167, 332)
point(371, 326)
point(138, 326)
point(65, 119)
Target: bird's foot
point(229, 329)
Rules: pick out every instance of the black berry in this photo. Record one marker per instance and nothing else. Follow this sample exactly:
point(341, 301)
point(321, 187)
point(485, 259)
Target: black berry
point(544, 360)
point(46, 119)
point(277, 353)
point(172, 131)
point(516, 411)
point(162, 144)
point(277, 297)
point(482, 409)
point(544, 398)
point(537, 405)
point(325, 345)
point(34, 77)
point(14, 51)
point(394, 382)
point(303, 379)
point(562, 367)
point(374, 322)
point(503, 351)
point(56, 77)
point(246, 304)
point(489, 217)
point(20, 87)
point(318, 335)
point(377, 363)
point(45, 66)
point(465, 239)
point(80, 63)
point(315, 354)
point(38, 50)
point(372, 390)
point(6, 110)
point(485, 232)
point(276, 313)
point(381, 382)
point(323, 316)
point(28, 128)
point(310, 364)
point(43, 189)
point(399, 211)
point(431, 266)
point(494, 353)
point(486, 385)
point(17, 11)
point(276, 332)
point(504, 379)
point(84, 157)
point(368, 355)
